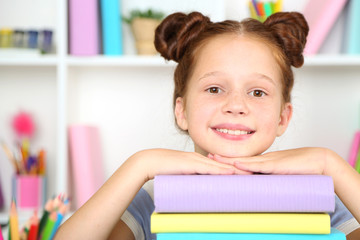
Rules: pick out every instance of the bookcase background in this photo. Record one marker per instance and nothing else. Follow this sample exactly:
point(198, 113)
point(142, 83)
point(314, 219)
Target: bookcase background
point(129, 97)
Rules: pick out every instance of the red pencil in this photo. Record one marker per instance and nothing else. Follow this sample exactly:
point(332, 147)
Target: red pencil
point(34, 227)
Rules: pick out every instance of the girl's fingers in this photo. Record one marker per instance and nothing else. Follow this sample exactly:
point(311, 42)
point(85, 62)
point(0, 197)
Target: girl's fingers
point(229, 161)
point(258, 167)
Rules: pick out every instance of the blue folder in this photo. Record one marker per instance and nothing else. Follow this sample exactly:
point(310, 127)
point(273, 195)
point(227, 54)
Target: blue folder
point(334, 235)
point(353, 28)
point(111, 27)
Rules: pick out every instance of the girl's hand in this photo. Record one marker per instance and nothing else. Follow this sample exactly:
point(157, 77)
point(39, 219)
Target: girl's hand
point(163, 161)
point(294, 161)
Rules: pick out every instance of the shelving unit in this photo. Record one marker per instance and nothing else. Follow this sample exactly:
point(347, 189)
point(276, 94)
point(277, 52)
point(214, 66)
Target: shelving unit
point(76, 81)
point(156, 61)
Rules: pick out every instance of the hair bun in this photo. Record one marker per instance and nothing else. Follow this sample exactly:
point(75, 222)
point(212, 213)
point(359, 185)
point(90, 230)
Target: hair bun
point(290, 30)
point(176, 31)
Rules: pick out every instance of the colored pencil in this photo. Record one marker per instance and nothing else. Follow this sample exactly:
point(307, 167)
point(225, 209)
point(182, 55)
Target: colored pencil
point(46, 234)
point(10, 156)
point(41, 162)
point(14, 222)
point(60, 215)
point(278, 6)
point(45, 216)
point(34, 227)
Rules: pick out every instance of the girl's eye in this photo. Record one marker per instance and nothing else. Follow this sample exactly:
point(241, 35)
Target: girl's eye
point(214, 90)
point(258, 93)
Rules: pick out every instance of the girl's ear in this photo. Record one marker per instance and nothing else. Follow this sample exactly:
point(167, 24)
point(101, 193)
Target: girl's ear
point(285, 118)
point(180, 114)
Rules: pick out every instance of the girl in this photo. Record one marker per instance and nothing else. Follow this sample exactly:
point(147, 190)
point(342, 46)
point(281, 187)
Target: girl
point(232, 96)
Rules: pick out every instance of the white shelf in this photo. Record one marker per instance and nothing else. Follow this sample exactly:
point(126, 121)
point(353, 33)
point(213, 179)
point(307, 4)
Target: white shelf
point(332, 60)
point(127, 61)
point(46, 60)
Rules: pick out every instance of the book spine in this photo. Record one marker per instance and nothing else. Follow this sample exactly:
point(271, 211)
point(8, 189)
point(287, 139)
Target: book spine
point(111, 27)
point(334, 235)
point(83, 27)
point(320, 27)
point(357, 164)
point(353, 46)
point(86, 162)
point(354, 148)
point(242, 193)
point(294, 223)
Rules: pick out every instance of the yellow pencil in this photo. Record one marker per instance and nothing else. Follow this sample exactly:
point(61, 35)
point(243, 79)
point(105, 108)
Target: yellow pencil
point(14, 222)
point(252, 10)
point(278, 6)
point(10, 155)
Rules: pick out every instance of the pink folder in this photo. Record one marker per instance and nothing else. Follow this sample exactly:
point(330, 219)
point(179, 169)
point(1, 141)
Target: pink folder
point(83, 27)
point(86, 162)
point(321, 16)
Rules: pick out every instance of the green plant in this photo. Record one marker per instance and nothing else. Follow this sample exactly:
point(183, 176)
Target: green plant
point(158, 15)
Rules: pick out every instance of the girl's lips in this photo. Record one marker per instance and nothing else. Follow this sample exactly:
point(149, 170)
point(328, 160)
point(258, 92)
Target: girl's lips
point(233, 132)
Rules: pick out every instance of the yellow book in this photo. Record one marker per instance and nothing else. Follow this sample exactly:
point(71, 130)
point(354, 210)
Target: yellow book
point(301, 223)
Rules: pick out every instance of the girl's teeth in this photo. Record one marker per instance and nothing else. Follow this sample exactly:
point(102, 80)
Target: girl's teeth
point(232, 132)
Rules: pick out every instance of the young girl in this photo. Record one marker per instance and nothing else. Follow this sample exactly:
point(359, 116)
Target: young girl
point(232, 96)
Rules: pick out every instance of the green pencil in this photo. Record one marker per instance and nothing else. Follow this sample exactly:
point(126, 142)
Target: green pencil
point(44, 217)
point(49, 226)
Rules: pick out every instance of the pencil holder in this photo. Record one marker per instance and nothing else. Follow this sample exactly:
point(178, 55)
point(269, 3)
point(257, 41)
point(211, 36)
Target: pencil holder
point(29, 191)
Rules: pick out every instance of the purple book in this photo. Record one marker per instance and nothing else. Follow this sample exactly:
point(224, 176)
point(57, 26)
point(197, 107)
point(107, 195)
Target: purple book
point(244, 193)
point(83, 27)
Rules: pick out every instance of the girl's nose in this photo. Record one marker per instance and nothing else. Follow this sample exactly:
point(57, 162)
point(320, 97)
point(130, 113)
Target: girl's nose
point(235, 104)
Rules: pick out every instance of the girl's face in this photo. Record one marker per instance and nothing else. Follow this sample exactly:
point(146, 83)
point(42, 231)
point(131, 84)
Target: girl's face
point(234, 102)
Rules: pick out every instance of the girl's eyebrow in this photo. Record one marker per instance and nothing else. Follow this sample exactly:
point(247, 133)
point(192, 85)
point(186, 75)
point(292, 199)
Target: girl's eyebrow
point(263, 76)
point(254, 75)
point(210, 74)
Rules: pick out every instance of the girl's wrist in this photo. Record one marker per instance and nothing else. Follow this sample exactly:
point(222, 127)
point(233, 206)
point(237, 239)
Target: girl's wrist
point(142, 163)
point(333, 164)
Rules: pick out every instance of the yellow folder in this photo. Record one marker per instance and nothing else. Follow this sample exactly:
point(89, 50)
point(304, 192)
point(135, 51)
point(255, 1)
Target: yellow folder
point(301, 223)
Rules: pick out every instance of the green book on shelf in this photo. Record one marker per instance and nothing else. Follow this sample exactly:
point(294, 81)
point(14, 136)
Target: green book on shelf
point(357, 164)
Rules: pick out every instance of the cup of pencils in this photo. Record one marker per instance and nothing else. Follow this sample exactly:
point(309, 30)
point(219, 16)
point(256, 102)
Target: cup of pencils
point(29, 182)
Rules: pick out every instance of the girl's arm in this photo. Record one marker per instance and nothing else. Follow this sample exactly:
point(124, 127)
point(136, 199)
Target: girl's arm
point(100, 215)
point(346, 182)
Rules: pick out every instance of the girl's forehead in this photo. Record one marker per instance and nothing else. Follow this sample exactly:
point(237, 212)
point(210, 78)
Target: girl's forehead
point(237, 55)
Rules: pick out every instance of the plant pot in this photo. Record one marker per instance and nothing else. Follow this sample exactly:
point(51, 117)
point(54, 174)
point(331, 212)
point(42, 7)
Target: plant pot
point(144, 34)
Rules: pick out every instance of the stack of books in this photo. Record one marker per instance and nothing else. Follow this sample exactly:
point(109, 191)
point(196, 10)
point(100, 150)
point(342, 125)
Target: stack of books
point(228, 207)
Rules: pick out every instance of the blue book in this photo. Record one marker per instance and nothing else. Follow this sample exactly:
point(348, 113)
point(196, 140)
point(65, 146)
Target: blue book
point(111, 27)
point(353, 30)
point(334, 235)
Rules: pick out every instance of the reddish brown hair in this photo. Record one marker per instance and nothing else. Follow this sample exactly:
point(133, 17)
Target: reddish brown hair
point(180, 36)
